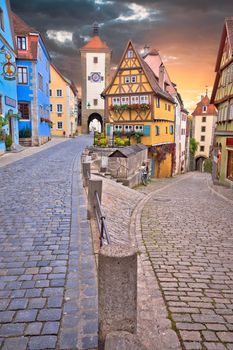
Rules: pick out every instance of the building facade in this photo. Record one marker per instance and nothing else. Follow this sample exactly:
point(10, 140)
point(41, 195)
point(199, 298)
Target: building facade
point(137, 104)
point(8, 84)
point(154, 60)
point(222, 97)
point(203, 125)
point(63, 104)
point(95, 75)
point(33, 71)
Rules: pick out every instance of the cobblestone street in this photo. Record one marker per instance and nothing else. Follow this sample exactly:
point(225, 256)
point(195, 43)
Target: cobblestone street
point(48, 294)
point(188, 234)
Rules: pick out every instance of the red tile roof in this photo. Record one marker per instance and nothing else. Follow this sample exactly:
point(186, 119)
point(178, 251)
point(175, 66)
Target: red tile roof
point(95, 44)
point(21, 27)
point(205, 101)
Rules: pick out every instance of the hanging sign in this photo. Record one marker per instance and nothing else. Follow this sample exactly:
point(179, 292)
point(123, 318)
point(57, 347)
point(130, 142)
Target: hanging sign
point(9, 68)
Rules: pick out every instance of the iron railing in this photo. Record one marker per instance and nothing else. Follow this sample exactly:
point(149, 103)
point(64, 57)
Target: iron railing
point(100, 218)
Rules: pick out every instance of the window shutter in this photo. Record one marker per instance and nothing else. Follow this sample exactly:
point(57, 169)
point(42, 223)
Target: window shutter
point(108, 129)
point(146, 130)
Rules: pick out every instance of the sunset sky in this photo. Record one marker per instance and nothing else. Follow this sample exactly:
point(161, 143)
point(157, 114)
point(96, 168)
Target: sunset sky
point(186, 32)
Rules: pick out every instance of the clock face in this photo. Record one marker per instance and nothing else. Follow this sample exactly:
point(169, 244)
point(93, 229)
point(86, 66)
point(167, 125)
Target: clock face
point(96, 77)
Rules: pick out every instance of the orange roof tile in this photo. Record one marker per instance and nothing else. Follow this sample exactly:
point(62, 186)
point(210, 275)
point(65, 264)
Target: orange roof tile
point(95, 43)
point(205, 101)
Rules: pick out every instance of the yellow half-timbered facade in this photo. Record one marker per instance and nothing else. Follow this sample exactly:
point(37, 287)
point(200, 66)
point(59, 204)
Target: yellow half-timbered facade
point(138, 106)
point(222, 97)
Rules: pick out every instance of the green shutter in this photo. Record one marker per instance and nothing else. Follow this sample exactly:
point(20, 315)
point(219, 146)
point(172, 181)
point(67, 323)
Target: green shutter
point(146, 130)
point(108, 129)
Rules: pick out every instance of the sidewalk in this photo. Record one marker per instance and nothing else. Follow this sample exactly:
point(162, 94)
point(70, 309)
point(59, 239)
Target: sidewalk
point(10, 157)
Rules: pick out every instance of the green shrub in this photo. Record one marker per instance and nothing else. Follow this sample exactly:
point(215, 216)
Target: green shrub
point(119, 141)
point(8, 141)
point(208, 166)
point(25, 133)
point(102, 142)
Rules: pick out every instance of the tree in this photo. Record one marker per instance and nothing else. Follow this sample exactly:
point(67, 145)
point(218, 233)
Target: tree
point(193, 146)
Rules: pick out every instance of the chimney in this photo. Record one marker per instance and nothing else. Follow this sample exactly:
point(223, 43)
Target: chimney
point(161, 76)
point(146, 50)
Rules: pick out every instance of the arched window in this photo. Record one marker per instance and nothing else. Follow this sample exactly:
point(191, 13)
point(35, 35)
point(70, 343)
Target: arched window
point(1, 19)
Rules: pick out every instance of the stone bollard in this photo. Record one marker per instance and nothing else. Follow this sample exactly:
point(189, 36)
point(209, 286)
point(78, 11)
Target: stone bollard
point(86, 173)
point(117, 290)
point(93, 186)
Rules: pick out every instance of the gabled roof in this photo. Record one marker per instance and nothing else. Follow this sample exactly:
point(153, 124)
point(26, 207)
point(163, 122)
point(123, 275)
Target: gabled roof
point(21, 27)
point(153, 81)
point(66, 80)
point(96, 43)
point(10, 14)
point(205, 101)
point(226, 33)
point(128, 151)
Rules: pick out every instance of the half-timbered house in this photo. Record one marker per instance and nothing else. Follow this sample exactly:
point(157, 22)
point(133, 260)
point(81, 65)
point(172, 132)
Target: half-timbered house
point(222, 97)
point(138, 106)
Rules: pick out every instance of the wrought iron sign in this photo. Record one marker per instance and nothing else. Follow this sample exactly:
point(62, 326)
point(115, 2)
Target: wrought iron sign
point(9, 67)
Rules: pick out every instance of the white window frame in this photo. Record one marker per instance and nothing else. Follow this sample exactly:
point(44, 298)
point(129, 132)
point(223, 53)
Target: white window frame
point(50, 92)
point(60, 111)
point(134, 100)
point(116, 101)
point(157, 102)
point(61, 123)
point(133, 79)
point(27, 74)
point(231, 111)
point(26, 42)
point(118, 127)
point(51, 107)
point(57, 94)
point(144, 99)
point(130, 54)
point(204, 109)
point(127, 79)
point(128, 128)
point(125, 100)
point(138, 128)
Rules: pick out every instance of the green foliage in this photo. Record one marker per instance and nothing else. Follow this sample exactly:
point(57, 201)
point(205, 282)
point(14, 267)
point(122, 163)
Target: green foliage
point(3, 121)
point(208, 166)
point(138, 136)
point(25, 133)
point(8, 141)
point(193, 146)
point(100, 140)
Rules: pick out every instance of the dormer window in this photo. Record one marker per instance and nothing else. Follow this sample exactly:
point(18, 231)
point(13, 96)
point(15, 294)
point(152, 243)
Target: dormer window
point(21, 43)
point(1, 19)
point(204, 109)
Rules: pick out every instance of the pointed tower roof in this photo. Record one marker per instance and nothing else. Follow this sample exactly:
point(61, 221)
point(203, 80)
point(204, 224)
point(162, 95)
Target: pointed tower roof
point(205, 102)
point(95, 43)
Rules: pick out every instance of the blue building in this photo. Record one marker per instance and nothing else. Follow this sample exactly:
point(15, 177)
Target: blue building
point(8, 83)
point(33, 72)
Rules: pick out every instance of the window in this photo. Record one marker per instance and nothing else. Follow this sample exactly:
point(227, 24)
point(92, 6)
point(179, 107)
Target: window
point(128, 128)
point(59, 125)
point(157, 102)
point(144, 99)
point(51, 108)
point(134, 100)
point(95, 59)
point(47, 89)
point(133, 79)
point(21, 43)
point(138, 128)
point(47, 66)
point(166, 130)
point(225, 113)
point(40, 79)
point(157, 130)
point(169, 108)
point(22, 75)
point(50, 92)
point(39, 53)
point(24, 110)
point(203, 138)
point(203, 119)
point(204, 109)
point(59, 93)
point(116, 101)
point(59, 108)
point(127, 80)
point(202, 148)
point(125, 100)
point(1, 19)
point(118, 127)
point(165, 106)
point(95, 102)
point(130, 53)
point(231, 111)
point(1, 106)
point(203, 129)
point(171, 129)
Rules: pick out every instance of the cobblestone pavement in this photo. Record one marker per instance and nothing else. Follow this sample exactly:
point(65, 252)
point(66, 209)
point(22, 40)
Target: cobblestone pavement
point(187, 230)
point(47, 269)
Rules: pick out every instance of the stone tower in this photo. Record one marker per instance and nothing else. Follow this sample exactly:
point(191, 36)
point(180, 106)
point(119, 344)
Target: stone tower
point(95, 75)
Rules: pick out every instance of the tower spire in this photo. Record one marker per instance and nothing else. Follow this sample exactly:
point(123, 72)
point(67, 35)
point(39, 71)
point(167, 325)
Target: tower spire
point(95, 29)
point(206, 90)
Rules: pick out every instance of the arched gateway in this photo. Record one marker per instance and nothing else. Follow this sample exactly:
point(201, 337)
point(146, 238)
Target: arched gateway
point(95, 122)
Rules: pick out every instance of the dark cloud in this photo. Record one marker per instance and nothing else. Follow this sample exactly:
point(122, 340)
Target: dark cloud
point(189, 30)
